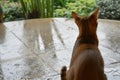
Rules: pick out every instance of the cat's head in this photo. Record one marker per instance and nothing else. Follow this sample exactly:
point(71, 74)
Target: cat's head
point(87, 24)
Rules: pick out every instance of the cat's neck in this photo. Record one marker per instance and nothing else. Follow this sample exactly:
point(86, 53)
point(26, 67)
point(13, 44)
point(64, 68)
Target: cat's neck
point(88, 40)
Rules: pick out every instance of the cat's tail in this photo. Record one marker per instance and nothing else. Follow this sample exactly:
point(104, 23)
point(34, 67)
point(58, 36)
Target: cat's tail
point(63, 73)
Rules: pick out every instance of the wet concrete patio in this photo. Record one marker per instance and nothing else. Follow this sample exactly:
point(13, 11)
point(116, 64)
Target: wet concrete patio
point(37, 49)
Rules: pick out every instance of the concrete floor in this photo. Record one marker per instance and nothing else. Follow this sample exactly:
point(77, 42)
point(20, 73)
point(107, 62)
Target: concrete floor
point(37, 49)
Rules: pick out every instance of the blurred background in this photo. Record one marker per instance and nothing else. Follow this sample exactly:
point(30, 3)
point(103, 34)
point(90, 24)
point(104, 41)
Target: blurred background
point(11, 10)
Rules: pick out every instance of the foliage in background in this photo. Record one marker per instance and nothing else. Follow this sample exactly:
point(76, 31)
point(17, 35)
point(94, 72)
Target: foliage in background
point(13, 0)
point(12, 11)
point(37, 8)
point(61, 3)
point(62, 8)
point(82, 7)
point(109, 9)
point(1, 14)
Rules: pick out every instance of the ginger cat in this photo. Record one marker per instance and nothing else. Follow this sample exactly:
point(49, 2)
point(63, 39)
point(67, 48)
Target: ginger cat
point(86, 61)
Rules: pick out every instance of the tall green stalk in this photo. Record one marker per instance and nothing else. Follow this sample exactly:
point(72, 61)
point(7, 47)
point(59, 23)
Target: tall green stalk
point(37, 8)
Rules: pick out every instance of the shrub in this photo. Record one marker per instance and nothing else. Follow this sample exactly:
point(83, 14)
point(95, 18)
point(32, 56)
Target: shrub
point(12, 12)
point(80, 6)
point(109, 9)
point(61, 3)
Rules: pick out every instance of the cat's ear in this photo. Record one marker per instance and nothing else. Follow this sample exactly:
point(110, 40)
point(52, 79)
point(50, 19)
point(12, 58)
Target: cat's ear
point(95, 14)
point(75, 16)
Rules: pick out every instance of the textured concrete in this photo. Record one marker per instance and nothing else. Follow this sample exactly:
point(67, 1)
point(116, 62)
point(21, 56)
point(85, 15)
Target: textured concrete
point(37, 49)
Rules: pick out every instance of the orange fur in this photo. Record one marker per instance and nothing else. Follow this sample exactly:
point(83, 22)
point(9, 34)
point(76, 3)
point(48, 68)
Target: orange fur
point(86, 62)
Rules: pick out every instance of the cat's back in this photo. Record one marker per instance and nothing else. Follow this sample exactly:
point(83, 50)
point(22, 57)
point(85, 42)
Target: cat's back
point(89, 64)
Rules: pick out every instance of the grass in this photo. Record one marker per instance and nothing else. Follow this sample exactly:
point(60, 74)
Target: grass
point(37, 8)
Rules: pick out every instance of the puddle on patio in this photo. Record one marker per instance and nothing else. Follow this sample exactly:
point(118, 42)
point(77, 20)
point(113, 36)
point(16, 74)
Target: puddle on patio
point(37, 49)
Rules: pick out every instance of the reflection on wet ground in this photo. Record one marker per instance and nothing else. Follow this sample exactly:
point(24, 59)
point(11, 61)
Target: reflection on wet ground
point(37, 49)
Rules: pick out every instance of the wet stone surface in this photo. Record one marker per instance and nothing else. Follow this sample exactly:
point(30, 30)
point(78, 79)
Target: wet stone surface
point(37, 49)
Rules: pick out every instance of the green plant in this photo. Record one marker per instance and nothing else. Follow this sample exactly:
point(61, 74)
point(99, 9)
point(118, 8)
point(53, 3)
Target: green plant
point(37, 8)
point(13, 0)
point(61, 3)
point(12, 11)
point(80, 6)
point(109, 9)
